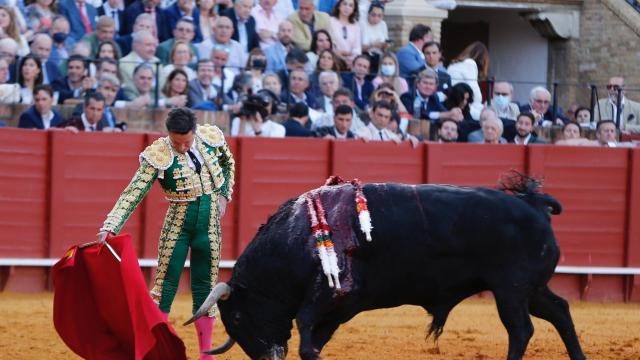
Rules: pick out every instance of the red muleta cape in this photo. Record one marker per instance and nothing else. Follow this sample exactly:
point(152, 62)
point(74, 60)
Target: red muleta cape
point(102, 308)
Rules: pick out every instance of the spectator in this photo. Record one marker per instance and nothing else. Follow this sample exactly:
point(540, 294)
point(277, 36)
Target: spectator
point(305, 22)
point(115, 10)
point(570, 113)
point(81, 15)
point(140, 91)
point(144, 48)
point(245, 26)
point(410, 58)
point(606, 133)
point(426, 105)
point(176, 89)
point(256, 123)
point(459, 97)
point(364, 6)
point(539, 101)
point(298, 89)
point(342, 119)
point(328, 61)
point(208, 17)
point(375, 35)
point(386, 92)
point(222, 75)
point(77, 81)
point(180, 10)
point(183, 32)
point(256, 65)
point(295, 126)
point(180, 57)
point(29, 76)
point(607, 108)
point(272, 83)
point(320, 41)
point(447, 131)
point(433, 55)
point(91, 118)
point(39, 15)
point(201, 90)
point(471, 65)
point(8, 50)
point(389, 73)
point(108, 49)
point(9, 28)
point(296, 59)
point(109, 87)
point(358, 82)
point(329, 84)
point(276, 53)
point(501, 101)
point(62, 42)
point(377, 130)
point(105, 31)
point(266, 22)
point(9, 93)
point(242, 85)
point(346, 29)
point(524, 130)
point(41, 48)
point(571, 131)
point(583, 117)
point(157, 16)
point(284, 8)
point(492, 130)
point(340, 97)
point(144, 22)
point(222, 38)
point(41, 115)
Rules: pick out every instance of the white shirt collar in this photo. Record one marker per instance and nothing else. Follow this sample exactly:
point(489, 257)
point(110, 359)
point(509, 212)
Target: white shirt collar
point(46, 119)
point(526, 140)
point(86, 123)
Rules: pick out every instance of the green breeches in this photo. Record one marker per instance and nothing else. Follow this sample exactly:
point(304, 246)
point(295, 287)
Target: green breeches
point(193, 225)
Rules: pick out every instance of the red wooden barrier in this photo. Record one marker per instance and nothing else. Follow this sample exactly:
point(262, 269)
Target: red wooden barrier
point(592, 186)
point(272, 171)
point(471, 164)
point(88, 173)
point(378, 162)
point(24, 205)
point(633, 221)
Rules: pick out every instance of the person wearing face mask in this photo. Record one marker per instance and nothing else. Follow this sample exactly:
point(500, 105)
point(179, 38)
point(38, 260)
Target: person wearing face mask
point(62, 42)
point(501, 101)
point(389, 73)
point(256, 65)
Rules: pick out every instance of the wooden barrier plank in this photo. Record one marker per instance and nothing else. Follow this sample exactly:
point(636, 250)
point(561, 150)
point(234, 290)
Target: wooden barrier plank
point(378, 161)
point(272, 171)
point(633, 224)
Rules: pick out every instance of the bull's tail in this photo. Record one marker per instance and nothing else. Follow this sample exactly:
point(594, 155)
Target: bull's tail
point(528, 189)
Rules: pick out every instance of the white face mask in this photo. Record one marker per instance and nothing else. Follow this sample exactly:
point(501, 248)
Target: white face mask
point(388, 70)
point(501, 101)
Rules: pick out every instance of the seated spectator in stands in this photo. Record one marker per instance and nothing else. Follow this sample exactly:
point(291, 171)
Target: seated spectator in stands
point(272, 82)
point(39, 15)
point(184, 33)
point(364, 6)
point(9, 50)
point(358, 81)
point(328, 61)
point(266, 21)
point(256, 65)
point(201, 90)
point(411, 58)
point(91, 118)
point(478, 135)
point(385, 92)
point(240, 90)
point(9, 93)
point(470, 66)
point(447, 131)
point(106, 66)
point(152, 8)
point(9, 28)
point(539, 101)
point(114, 9)
point(105, 31)
point(62, 42)
point(180, 10)
point(175, 91)
point(77, 81)
point(81, 15)
point(433, 56)
point(277, 53)
point(141, 92)
point(306, 21)
point(389, 73)
point(340, 130)
point(329, 84)
point(460, 96)
point(296, 125)
point(426, 104)
point(341, 97)
point(492, 131)
point(583, 117)
point(298, 89)
point(41, 47)
point(295, 59)
point(606, 133)
point(222, 75)
point(108, 49)
point(109, 87)
point(571, 131)
point(256, 123)
point(80, 48)
point(144, 22)
point(346, 29)
point(244, 25)
point(144, 49)
point(320, 41)
point(525, 134)
point(501, 101)
point(208, 16)
point(606, 108)
point(41, 115)
point(222, 32)
point(181, 56)
point(375, 35)
point(570, 113)
point(377, 130)
point(29, 76)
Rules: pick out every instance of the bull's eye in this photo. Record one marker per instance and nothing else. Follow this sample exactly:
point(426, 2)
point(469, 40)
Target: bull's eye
point(236, 318)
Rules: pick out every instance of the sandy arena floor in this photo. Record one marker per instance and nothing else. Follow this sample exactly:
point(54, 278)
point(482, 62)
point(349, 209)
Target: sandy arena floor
point(474, 331)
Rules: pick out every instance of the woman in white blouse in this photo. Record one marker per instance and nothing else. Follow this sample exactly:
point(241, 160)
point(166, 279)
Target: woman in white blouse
point(346, 30)
point(470, 66)
point(375, 34)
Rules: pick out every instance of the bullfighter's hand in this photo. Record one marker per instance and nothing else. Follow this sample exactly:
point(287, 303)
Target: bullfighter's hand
point(222, 206)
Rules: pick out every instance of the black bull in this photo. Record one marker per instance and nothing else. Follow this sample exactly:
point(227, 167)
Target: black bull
point(433, 246)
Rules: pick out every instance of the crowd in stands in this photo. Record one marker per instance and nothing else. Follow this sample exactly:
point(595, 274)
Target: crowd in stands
point(280, 67)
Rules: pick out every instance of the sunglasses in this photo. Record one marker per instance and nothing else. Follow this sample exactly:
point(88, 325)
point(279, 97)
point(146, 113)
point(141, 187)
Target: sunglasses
point(614, 87)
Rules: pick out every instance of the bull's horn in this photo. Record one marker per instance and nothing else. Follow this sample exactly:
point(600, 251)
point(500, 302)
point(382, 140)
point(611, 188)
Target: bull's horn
point(222, 348)
point(220, 291)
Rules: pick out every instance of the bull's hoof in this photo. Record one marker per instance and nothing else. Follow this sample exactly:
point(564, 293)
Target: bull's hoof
point(310, 355)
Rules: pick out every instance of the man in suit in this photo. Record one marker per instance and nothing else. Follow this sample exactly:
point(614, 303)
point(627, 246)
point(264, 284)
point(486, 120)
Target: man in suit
point(77, 81)
point(115, 10)
point(222, 32)
point(607, 108)
point(426, 105)
point(151, 7)
point(433, 56)
point(306, 21)
point(539, 106)
point(277, 53)
point(105, 31)
point(329, 84)
point(143, 22)
point(201, 90)
point(184, 31)
point(295, 126)
point(342, 118)
point(524, 131)
point(41, 47)
point(298, 89)
point(41, 115)
point(109, 86)
point(410, 58)
point(144, 47)
point(244, 25)
point(358, 81)
point(91, 118)
point(81, 16)
point(62, 42)
point(181, 9)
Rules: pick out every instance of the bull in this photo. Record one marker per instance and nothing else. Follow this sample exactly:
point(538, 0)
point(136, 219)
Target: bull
point(432, 246)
